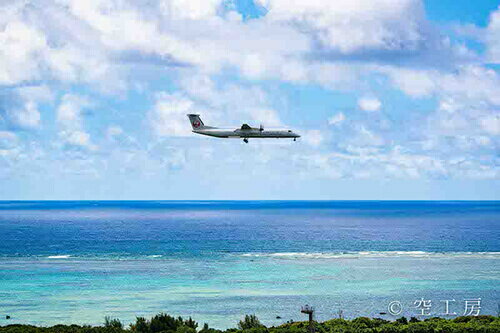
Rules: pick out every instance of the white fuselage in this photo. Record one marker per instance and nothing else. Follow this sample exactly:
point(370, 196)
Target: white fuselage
point(247, 133)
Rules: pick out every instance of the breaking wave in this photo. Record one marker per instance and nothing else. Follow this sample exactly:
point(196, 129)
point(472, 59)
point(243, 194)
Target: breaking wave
point(374, 254)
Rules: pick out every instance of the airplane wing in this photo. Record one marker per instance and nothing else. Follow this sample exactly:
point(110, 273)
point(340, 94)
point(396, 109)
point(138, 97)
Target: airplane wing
point(245, 127)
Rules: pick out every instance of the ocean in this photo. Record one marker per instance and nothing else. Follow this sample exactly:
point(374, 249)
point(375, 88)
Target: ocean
point(78, 261)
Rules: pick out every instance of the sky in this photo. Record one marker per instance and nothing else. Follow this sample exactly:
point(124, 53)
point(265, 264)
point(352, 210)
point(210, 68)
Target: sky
point(394, 99)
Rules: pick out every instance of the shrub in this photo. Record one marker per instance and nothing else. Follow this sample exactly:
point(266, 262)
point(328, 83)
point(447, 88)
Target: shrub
point(402, 320)
point(163, 323)
point(250, 321)
point(112, 323)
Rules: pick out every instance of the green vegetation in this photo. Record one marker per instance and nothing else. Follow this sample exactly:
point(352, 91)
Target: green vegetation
point(163, 323)
point(250, 321)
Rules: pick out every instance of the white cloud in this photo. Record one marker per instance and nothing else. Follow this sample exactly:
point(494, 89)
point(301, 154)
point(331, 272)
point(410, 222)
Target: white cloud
point(313, 137)
point(319, 165)
point(336, 119)
point(193, 9)
point(465, 124)
point(493, 37)
point(366, 137)
point(118, 138)
point(466, 82)
point(230, 104)
point(45, 43)
point(113, 131)
point(168, 156)
point(76, 138)
point(168, 116)
point(69, 112)
point(8, 140)
point(85, 41)
point(467, 107)
point(38, 94)
point(395, 163)
point(336, 44)
point(19, 54)
point(70, 120)
point(236, 97)
point(491, 123)
point(266, 117)
point(369, 104)
point(27, 116)
point(449, 104)
point(20, 106)
point(415, 83)
point(10, 152)
point(353, 25)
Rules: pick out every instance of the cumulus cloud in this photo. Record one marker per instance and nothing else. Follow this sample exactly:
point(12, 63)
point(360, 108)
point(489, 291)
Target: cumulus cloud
point(267, 117)
point(336, 119)
point(230, 104)
point(26, 117)
point(369, 104)
point(366, 137)
point(218, 65)
point(8, 140)
point(194, 9)
point(493, 37)
point(20, 106)
point(76, 138)
point(69, 112)
point(491, 123)
point(21, 46)
point(168, 156)
point(114, 131)
point(75, 41)
point(55, 42)
point(168, 116)
point(313, 137)
point(467, 81)
point(70, 120)
point(350, 26)
point(10, 152)
point(393, 164)
point(33, 50)
point(466, 117)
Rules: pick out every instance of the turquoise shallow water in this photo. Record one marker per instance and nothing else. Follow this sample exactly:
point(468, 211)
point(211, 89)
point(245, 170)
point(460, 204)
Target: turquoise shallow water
point(216, 262)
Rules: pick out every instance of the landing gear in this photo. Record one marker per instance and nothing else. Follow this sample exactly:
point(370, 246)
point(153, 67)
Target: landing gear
point(245, 140)
point(294, 139)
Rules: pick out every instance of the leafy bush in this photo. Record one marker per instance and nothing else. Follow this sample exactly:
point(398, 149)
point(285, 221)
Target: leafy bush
point(164, 323)
point(112, 323)
point(250, 321)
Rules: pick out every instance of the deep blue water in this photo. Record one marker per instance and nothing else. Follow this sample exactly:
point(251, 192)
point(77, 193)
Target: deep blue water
point(64, 261)
point(203, 228)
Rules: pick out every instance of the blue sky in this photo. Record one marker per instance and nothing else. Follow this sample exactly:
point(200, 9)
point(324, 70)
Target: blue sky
point(393, 99)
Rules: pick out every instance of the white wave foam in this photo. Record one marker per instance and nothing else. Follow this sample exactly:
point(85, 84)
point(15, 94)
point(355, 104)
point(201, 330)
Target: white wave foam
point(62, 256)
point(155, 256)
point(374, 254)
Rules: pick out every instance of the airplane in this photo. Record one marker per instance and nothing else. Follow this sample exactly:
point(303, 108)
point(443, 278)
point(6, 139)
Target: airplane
point(245, 131)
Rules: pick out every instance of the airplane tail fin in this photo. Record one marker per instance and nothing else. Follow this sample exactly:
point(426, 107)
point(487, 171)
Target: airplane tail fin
point(196, 121)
